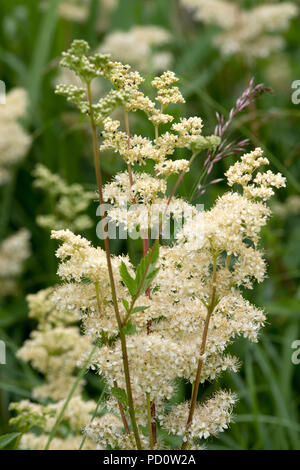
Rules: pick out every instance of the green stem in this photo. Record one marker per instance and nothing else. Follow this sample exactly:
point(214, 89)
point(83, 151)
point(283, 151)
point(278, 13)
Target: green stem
point(202, 176)
point(93, 416)
point(127, 127)
point(227, 263)
point(71, 393)
point(111, 276)
point(180, 178)
point(122, 413)
point(140, 284)
point(98, 296)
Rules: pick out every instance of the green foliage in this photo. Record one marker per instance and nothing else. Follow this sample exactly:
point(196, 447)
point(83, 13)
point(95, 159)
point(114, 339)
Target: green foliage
point(129, 328)
point(10, 441)
point(144, 275)
point(129, 282)
point(86, 68)
point(120, 395)
point(205, 143)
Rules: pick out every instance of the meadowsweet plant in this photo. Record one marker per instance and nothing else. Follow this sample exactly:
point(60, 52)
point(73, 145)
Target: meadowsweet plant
point(70, 202)
point(53, 349)
point(78, 10)
point(14, 250)
point(15, 141)
point(174, 314)
point(253, 33)
point(135, 47)
point(14, 145)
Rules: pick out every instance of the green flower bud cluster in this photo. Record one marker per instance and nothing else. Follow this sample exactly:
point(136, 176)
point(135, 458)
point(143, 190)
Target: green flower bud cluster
point(71, 202)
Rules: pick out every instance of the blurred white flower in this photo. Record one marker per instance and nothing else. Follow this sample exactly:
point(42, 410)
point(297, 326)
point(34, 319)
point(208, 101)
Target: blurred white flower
point(245, 31)
point(14, 250)
point(135, 47)
point(14, 142)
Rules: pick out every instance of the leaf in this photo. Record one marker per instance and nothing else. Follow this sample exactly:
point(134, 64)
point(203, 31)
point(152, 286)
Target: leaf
point(149, 279)
point(10, 441)
point(126, 304)
point(129, 328)
point(120, 395)
point(141, 308)
point(40, 55)
point(127, 279)
point(147, 263)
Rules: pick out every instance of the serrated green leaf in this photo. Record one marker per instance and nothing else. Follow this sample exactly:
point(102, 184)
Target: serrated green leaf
point(10, 441)
point(120, 395)
point(128, 280)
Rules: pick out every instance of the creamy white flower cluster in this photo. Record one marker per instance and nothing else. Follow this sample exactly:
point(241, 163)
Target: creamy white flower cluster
point(136, 47)
point(177, 309)
point(258, 185)
point(54, 349)
point(107, 431)
point(290, 207)
point(79, 10)
point(15, 141)
point(143, 47)
point(211, 418)
point(33, 415)
point(250, 32)
point(14, 250)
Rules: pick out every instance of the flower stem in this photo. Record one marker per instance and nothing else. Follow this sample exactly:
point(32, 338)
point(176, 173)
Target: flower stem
point(122, 413)
point(93, 416)
point(111, 277)
point(127, 127)
point(201, 359)
point(153, 422)
point(71, 393)
point(97, 288)
point(180, 178)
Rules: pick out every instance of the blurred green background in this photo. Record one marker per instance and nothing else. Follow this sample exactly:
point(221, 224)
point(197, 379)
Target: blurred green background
point(32, 38)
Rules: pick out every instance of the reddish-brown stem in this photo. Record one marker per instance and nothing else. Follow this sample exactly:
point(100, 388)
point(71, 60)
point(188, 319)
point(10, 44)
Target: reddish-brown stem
point(145, 240)
point(146, 249)
point(111, 276)
point(179, 179)
point(153, 423)
point(147, 291)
